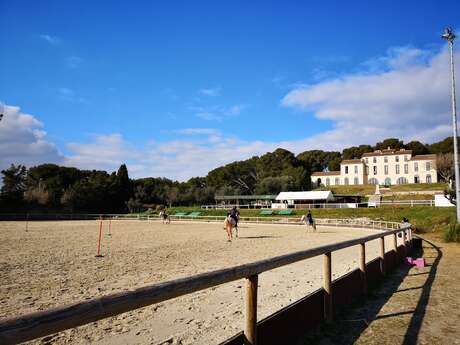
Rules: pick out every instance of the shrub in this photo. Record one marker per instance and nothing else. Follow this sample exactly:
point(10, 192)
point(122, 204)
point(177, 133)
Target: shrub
point(452, 233)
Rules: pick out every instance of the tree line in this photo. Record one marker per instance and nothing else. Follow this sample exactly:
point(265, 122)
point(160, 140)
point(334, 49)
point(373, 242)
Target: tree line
point(49, 187)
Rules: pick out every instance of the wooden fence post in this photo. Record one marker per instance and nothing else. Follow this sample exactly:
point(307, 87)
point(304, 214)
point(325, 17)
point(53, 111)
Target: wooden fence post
point(327, 271)
point(404, 243)
point(362, 266)
point(395, 244)
point(382, 256)
point(251, 310)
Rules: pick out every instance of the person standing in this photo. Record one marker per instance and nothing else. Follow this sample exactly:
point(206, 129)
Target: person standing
point(310, 220)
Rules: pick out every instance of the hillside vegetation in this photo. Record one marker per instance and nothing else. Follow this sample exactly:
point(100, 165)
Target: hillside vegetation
point(53, 188)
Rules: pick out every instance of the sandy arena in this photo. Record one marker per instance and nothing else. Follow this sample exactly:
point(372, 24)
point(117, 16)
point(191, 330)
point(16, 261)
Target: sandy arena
point(54, 264)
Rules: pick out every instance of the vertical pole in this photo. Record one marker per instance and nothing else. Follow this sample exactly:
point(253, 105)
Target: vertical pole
point(362, 266)
point(110, 226)
point(327, 269)
point(27, 222)
point(251, 310)
point(404, 243)
point(454, 127)
point(99, 242)
point(382, 255)
point(395, 244)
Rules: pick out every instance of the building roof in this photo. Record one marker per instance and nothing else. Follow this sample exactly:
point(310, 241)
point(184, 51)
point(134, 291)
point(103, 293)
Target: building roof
point(244, 197)
point(423, 157)
point(312, 195)
point(351, 161)
point(326, 173)
point(387, 152)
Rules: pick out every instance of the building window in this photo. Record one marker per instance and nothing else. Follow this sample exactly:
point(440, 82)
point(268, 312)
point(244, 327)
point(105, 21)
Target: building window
point(327, 181)
point(385, 159)
point(406, 158)
point(385, 168)
point(337, 181)
point(388, 181)
point(346, 181)
point(346, 170)
point(375, 169)
point(415, 166)
point(373, 180)
point(401, 180)
point(428, 166)
point(356, 169)
point(318, 182)
point(367, 160)
point(375, 160)
point(406, 168)
point(356, 181)
point(397, 169)
point(397, 158)
point(428, 178)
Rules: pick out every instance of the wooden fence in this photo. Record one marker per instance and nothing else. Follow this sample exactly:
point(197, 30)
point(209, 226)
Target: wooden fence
point(35, 325)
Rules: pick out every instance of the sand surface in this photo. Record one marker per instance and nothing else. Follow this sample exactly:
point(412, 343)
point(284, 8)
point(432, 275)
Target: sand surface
point(53, 264)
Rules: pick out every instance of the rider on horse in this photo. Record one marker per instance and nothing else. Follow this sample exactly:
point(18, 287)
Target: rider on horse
point(234, 214)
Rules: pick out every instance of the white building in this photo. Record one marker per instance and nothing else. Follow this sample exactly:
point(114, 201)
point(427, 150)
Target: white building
point(384, 167)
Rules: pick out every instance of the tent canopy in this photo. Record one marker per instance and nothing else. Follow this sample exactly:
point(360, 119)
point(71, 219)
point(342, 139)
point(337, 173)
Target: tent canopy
point(315, 195)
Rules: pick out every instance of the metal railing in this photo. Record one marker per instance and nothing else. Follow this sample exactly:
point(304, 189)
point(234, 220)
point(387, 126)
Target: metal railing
point(35, 325)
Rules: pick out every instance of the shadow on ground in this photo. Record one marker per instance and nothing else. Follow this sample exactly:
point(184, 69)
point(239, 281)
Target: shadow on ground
point(353, 321)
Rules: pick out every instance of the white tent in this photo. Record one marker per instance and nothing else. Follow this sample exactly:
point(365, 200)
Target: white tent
point(290, 197)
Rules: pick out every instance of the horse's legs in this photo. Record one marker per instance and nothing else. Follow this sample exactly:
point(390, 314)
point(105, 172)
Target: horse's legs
point(229, 231)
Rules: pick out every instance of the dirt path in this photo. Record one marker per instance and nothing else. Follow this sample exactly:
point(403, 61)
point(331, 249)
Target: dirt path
point(414, 306)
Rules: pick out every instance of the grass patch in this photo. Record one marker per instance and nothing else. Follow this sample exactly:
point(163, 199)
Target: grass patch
point(418, 187)
point(452, 233)
point(358, 190)
point(408, 197)
point(367, 189)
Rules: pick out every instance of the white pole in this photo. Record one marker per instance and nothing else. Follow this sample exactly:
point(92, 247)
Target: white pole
point(449, 35)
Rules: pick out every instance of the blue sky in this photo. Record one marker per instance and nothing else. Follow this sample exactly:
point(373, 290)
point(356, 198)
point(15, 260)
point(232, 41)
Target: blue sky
point(177, 88)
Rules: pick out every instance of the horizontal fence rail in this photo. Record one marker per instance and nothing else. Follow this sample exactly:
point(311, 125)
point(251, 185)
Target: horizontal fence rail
point(31, 326)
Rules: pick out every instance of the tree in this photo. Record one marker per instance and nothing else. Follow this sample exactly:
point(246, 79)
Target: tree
point(443, 146)
point(356, 152)
point(393, 143)
point(171, 195)
point(417, 148)
point(13, 183)
point(445, 165)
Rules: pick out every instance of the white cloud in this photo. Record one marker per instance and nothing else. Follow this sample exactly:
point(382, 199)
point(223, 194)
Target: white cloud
point(74, 61)
point(198, 131)
point(23, 140)
point(50, 39)
point(69, 95)
point(212, 92)
point(217, 113)
point(404, 94)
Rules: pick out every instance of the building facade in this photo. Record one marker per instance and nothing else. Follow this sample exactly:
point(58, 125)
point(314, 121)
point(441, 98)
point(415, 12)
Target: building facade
point(383, 167)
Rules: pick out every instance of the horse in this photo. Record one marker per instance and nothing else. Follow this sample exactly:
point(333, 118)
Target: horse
point(229, 225)
point(166, 218)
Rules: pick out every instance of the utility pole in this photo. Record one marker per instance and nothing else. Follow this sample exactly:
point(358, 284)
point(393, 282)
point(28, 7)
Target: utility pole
point(449, 36)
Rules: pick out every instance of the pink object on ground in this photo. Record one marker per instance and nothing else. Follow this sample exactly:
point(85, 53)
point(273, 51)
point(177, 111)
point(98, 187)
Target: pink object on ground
point(420, 262)
point(409, 261)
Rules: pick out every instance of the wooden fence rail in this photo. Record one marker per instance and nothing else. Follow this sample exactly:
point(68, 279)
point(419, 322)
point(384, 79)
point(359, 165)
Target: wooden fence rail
point(31, 326)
